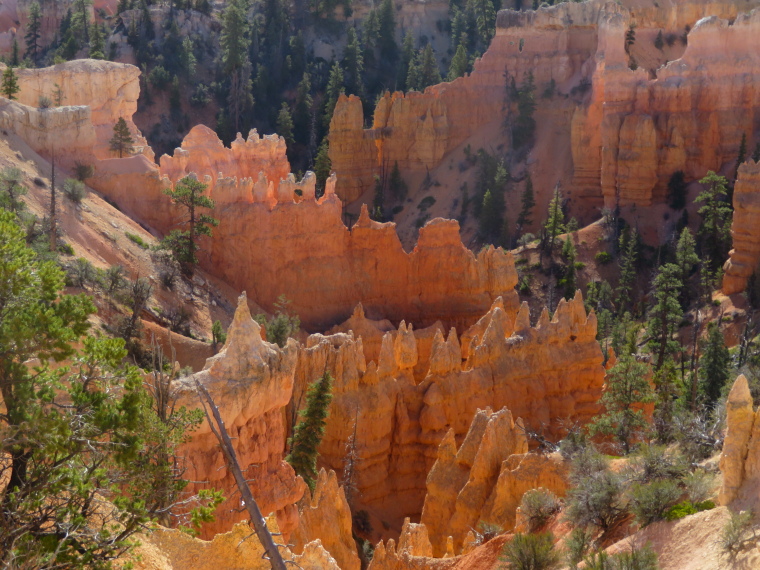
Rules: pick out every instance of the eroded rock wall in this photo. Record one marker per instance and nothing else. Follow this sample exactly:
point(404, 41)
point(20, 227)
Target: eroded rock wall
point(251, 382)
point(545, 374)
point(744, 258)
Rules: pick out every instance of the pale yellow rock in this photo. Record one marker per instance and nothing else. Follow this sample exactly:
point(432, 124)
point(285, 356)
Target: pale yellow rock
point(740, 418)
point(326, 516)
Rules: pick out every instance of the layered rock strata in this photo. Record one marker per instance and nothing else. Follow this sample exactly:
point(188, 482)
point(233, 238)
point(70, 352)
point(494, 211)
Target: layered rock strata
point(296, 245)
point(547, 375)
point(251, 381)
point(744, 258)
point(630, 133)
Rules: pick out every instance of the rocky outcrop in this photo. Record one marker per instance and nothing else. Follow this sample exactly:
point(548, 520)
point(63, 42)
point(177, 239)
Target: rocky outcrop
point(745, 256)
point(165, 549)
point(461, 480)
point(740, 457)
point(545, 374)
point(326, 516)
point(630, 130)
point(638, 130)
point(251, 381)
point(109, 89)
point(296, 245)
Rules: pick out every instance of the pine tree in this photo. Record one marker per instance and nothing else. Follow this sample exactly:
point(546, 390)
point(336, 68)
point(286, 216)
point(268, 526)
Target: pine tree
point(354, 64)
point(627, 388)
point(285, 124)
point(527, 202)
point(428, 73)
point(378, 202)
point(308, 433)
point(715, 231)
point(332, 92)
point(121, 141)
point(303, 109)
point(12, 189)
point(714, 365)
point(756, 152)
point(686, 260)
point(407, 59)
point(187, 59)
point(628, 258)
point(235, 42)
point(485, 20)
point(677, 190)
point(459, 63)
point(525, 125)
point(188, 193)
point(322, 166)
point(398, 188)
point(33, 32)
point(15, 59)
point(97, 43)
point(666, 314)
point(386, 32)
point(10, 84)
point(555, 221)
point(569, 273)
point(80, 19)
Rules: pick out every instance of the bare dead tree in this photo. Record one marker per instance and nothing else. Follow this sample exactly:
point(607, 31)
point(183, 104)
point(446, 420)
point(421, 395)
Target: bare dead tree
point(220, 431)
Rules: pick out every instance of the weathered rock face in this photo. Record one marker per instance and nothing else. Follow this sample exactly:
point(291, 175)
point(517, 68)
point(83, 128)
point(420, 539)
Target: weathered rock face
point(326, 516)
point(740, 458)
point(94, 95)
point(239, 548)
point(292, 243)
point(745, 256)
point(251, 381)
point(551, 372)
point(461, 481)
point(637, 130)
point(630, 133)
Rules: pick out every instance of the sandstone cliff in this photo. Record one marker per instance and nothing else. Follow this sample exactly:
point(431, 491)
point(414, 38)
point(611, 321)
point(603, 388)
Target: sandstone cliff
point(740, 458)
point(629, 130)
point(745, 256)
point(543, 374)
point(326, 516)
point(291, 241)
point(251, 381)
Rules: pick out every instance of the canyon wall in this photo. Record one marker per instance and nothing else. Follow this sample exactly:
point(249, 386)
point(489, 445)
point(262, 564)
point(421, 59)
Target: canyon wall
point(744, 258)
point(418, 129)
point(628, 133)
point(251, 381)
point(296, 245)
point(638, 129)
point(547, 375)
point(94, 95)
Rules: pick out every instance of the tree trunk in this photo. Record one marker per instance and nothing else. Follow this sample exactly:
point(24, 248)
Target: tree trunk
point(259, 525)
point(53, 246)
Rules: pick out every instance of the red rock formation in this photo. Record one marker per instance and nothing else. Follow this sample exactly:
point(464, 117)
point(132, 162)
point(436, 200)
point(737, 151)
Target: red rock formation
point(546, 374)
point(745, 256)
point(251, 381)
point(629, 135)
point(326, 516)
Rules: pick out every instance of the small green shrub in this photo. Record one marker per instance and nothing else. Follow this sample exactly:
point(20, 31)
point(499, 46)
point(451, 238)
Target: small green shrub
point(531, 552)
point(736, 532)
point(74, 190)
point(637, 559)
point(81, 273)
point(687, 508)
point(603, 258)
point(65, 249)
point(650, 501)
point(523, 285)
point(538, 506)
point(577, 545)
point(699, 485)
point(137, 239)
point(580, 265)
